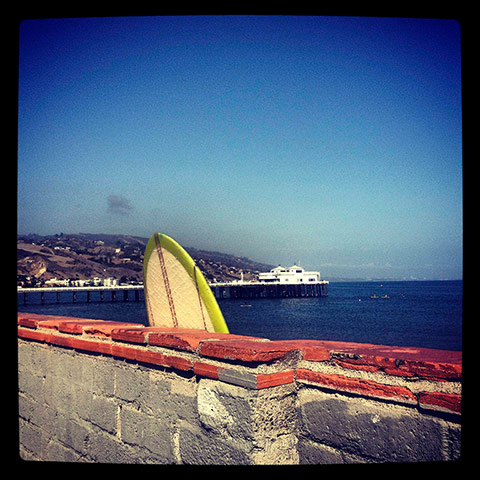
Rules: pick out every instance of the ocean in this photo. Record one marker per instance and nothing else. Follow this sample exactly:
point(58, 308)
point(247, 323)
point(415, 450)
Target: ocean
point(415, 314)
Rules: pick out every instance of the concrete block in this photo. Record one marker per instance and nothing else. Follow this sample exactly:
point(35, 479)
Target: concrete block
point(226, 409)
point(49, 420)
point(81, 400)
point(104, 413)
point(147, 432)
point(56, 452)
point(40, 359)
point(67, 365)
point(130, 383)
point(261, 421)
point(275, 411)
point(101, 374)
point(58, 393)
point(24, 354)
point(158, 440)
point(313, 453)
point(171, 398)
point(275, 426)
point(453, 437)
point(27, 456)
point(30, 437)
point(370, 429)
point(279, 450)
point(75, 434)
point(88, 364)
point(198, 448)
point(106, 448)
point(158, 393)
point(134, 426)
point(30, 410)
point(32, 384)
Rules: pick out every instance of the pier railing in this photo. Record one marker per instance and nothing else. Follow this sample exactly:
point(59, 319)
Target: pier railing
point(78, 289)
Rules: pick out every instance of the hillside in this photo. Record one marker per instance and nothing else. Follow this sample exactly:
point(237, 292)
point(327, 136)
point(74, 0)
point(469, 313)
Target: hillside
point(84, 256)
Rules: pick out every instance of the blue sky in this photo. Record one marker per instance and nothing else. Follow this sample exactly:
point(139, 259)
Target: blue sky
point(332, 141)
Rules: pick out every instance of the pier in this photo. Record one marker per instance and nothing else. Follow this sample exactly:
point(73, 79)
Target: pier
point(225, 290)
point(244, 290)
point(74, 290)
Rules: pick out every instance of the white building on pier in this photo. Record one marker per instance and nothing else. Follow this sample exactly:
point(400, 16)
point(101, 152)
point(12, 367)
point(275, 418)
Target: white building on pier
point(291, 275)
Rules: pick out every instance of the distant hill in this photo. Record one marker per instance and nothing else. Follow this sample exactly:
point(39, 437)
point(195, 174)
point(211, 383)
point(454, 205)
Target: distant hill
point(85, 255)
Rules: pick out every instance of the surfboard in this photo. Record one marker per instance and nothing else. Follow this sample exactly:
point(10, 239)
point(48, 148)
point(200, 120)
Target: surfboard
point(176, 292)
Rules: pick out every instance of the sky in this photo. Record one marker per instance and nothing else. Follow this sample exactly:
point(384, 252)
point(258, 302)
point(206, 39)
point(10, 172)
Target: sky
point(335, 142)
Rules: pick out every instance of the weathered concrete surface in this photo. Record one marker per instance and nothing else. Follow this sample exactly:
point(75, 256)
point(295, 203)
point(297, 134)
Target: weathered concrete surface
point(369, 430)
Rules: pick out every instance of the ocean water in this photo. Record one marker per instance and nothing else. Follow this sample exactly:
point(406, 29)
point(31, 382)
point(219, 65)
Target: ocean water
point(417, 314)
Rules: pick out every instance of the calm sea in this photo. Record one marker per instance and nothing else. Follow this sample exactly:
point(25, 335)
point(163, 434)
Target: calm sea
point(418, 314)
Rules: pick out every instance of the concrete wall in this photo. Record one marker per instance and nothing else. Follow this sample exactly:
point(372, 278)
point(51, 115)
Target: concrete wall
point(97, 391)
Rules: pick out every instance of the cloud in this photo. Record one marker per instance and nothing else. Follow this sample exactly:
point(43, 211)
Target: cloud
point(118, 205)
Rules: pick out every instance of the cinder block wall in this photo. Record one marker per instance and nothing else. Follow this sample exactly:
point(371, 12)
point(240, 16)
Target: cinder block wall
point(99, 391)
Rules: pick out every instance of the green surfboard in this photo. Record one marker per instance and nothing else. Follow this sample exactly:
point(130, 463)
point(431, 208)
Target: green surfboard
point(176, 292)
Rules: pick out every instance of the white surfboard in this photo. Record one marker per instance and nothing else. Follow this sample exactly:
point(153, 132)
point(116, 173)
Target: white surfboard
point(176, 292)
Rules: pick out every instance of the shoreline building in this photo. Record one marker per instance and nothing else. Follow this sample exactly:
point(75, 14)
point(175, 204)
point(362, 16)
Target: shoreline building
point(291, 275)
